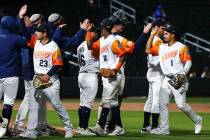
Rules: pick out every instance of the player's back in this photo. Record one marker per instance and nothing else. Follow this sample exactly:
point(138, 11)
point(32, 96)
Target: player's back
point(10, 45)
point(87, 62)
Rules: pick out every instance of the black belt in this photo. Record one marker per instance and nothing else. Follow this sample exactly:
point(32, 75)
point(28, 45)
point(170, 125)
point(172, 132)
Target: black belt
point(169, 76)
point(88, 72)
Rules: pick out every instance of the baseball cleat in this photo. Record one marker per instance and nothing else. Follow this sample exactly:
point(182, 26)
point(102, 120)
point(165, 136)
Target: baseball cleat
point(3, 127)
point(198, 126)
point(69, 134)
point(78, 130)
point(98, 130)
point(86, 132)
point(28, 134)
point(17, 130)
point(158, 131)
point(145, 130)
point(118, 131)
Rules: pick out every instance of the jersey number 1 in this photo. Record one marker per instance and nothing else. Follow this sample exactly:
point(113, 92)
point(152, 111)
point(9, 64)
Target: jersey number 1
point(172, 63)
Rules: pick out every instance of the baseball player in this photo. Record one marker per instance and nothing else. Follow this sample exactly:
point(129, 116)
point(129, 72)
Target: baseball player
point(28, 70)
point(87, 80)
point(119, 23)
point(10, 45)
point(45, 129)
point(47, 61)
point(155, 78)
point(174, 59)
point(109, 58)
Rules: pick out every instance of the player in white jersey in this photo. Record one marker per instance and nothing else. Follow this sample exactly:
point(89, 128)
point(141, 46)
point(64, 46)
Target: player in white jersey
point(47, 61)
point(155, 78)
point(174, 58)
point(110, 51)
point(87, 80)
point(114, 124)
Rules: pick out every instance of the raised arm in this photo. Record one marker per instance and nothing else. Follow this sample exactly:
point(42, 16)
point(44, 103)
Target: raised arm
point(149, 42)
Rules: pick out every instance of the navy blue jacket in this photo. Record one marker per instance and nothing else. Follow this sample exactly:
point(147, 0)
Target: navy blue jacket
point(10, 45)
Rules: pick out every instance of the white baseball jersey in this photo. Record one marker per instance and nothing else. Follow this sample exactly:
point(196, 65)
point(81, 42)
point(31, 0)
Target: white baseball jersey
point(121, 39)
point(172, 58)
point(87, 62)
point(45, 56)
point(154, 71)
point(107, 58)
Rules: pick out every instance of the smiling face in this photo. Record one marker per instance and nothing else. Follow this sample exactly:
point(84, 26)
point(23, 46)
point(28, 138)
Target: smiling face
point(168, 36)
point(40, 35)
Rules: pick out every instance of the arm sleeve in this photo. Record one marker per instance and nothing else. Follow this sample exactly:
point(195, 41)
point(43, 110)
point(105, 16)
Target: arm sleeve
point(185, 54)
point(76, 40)
point(56, 57)
point(95, 49)
point(187, 67)
point(31, 43)
point(57, 36)
point(141, 41)
point(117, 48)
point(127, 45)
point(23, 30)
point(155, 47)
point(53, 70)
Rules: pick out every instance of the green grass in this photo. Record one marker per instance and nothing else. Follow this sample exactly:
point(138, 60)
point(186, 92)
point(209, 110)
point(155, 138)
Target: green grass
point(203, 100)
point(182, 128)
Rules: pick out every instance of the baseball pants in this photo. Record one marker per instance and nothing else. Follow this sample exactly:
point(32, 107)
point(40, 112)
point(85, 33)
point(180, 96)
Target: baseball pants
point(152, 103)
point(111, 91)
point(180, 98)
point(24, 106)
point(88, 84)
point(8, 89)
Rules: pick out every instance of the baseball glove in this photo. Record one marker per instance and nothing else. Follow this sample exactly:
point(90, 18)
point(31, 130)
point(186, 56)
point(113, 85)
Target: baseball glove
point(108, 73)
point(39, 84)
point(177, 81)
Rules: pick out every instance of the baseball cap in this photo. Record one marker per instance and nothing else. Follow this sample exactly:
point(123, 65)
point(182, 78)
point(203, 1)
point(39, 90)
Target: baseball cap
point(42, 28)
point(107, 23)
point(35, 17)
point(54, 17)
point(159, 22)
point(172, 29)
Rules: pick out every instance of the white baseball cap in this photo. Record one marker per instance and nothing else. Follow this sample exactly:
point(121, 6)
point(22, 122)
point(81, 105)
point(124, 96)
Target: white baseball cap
point(54, 17)
point(35, 17)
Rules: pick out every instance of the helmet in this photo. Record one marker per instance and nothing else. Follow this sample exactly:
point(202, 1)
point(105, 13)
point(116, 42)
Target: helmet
point(107, 23)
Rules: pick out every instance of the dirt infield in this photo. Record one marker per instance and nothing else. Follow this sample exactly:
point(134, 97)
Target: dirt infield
point(130, 106)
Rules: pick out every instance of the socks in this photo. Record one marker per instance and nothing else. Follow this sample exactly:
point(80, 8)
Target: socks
point(84, 115)
point(155, 117)
point(80, 116)
point(7, 111)
point(103, 117)
point(146, 119)
point(116, 116)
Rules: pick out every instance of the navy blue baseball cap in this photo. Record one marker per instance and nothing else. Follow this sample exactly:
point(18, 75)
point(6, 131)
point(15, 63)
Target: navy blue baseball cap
point(172, 29)
point(159, 22)
point(42, 28)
